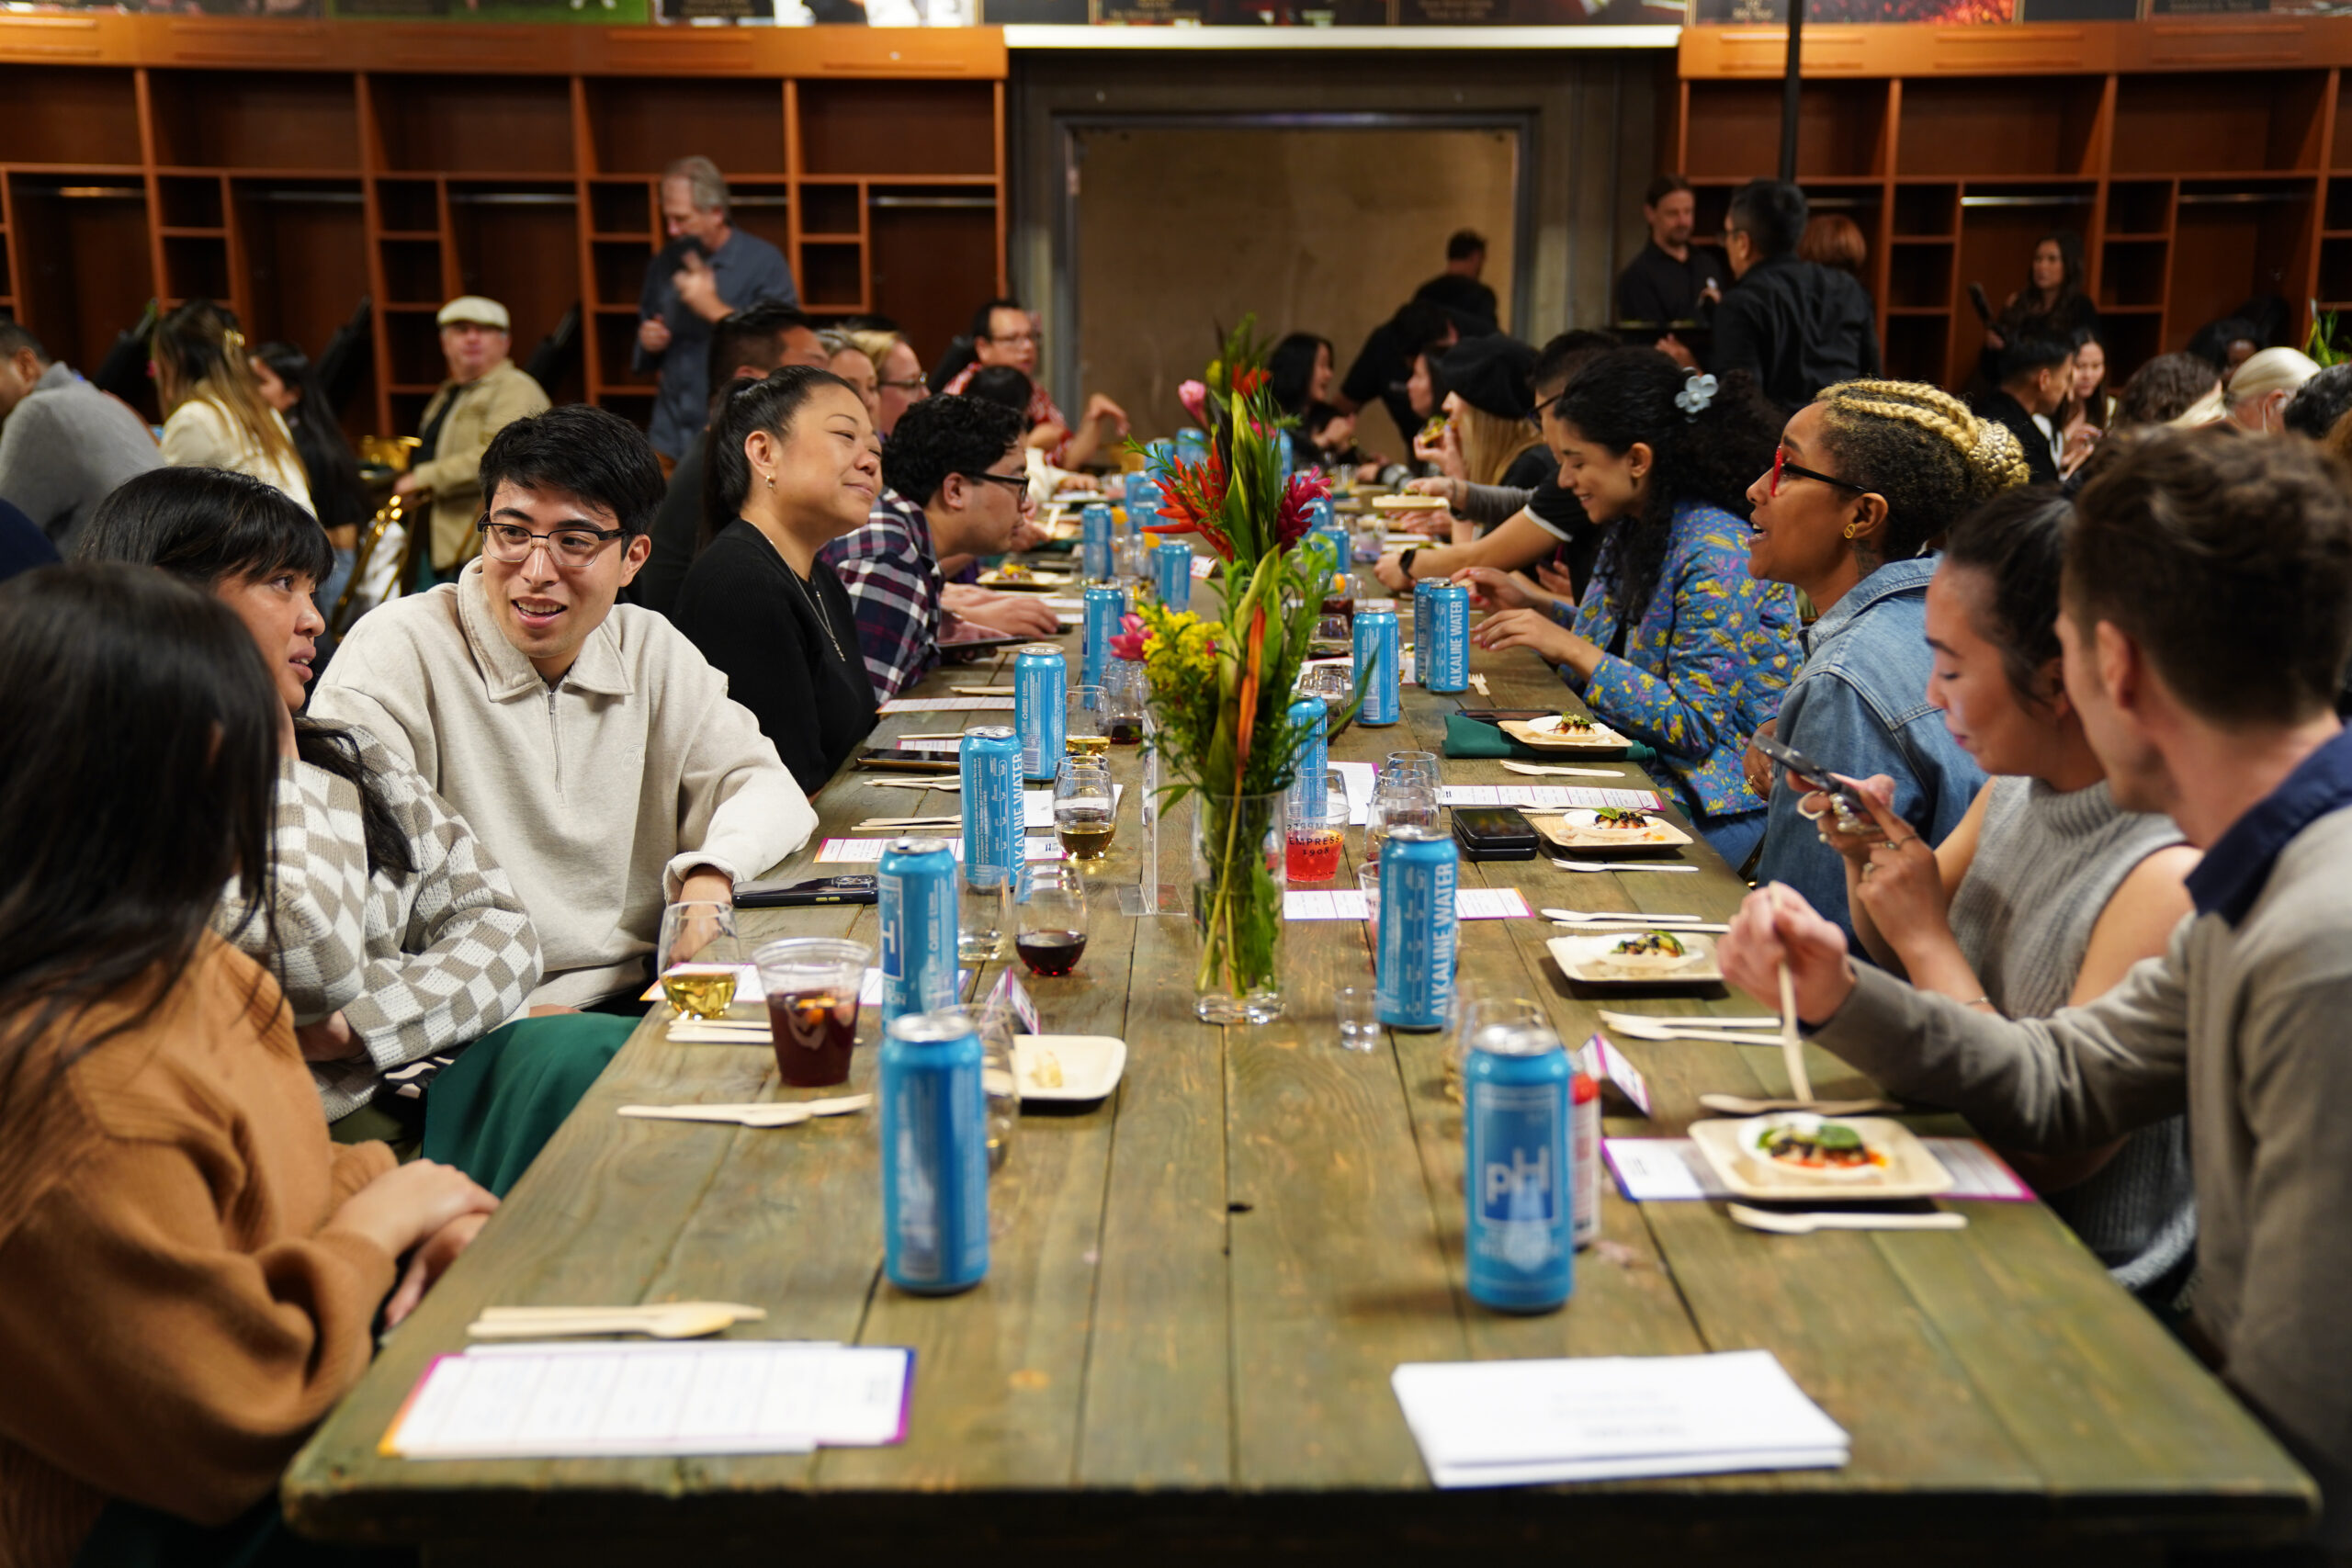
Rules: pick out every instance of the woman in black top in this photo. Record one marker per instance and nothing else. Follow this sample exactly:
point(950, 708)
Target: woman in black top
point(793, 464)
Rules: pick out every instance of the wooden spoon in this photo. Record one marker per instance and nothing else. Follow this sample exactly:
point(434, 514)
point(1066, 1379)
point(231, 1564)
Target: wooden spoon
point(690, 1321)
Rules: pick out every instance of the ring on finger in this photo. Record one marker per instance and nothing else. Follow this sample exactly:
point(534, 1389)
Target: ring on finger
point(1812, 816)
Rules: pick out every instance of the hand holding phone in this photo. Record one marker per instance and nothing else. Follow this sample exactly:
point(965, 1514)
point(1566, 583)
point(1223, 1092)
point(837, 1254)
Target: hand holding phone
point(1853, 813)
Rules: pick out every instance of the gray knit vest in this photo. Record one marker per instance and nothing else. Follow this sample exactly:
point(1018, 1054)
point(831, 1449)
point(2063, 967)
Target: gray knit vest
point(2046, 865)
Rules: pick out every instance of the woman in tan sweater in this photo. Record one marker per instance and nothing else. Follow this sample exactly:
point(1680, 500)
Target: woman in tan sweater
point(189, 1271)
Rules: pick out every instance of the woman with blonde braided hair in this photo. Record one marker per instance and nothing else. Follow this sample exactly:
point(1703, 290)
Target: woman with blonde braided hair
point(1866, 480)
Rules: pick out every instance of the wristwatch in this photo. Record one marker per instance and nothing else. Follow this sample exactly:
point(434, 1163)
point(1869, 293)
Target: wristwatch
point(1405, 562)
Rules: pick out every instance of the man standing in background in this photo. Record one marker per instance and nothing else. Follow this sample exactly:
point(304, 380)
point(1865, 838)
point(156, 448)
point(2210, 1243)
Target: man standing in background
point(484, 394)
point(708, 270)
point(1670, 280)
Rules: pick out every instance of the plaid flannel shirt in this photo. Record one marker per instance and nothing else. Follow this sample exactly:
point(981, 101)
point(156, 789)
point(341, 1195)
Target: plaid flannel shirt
point(892, 575)
point(416, 966)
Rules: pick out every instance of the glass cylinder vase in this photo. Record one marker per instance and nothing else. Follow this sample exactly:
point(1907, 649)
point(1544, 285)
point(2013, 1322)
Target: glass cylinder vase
point(1237, 885)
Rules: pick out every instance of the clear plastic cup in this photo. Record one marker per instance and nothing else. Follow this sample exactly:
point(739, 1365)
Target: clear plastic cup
point(812, 985)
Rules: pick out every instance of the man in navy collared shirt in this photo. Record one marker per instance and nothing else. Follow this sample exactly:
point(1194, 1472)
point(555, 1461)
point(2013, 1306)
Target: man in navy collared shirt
point(709, 269)
point(2206, 618)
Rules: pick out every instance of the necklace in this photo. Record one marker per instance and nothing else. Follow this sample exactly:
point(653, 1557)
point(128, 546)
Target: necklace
point(817, 606)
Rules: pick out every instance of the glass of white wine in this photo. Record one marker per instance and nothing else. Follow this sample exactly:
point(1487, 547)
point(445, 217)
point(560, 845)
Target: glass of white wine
point(699, 957)
point(1086, 735)
point(1085, 814)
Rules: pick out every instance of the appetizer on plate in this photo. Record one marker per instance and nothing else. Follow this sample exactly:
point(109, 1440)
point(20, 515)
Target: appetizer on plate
point(1816, 1148)
point(1651, 952)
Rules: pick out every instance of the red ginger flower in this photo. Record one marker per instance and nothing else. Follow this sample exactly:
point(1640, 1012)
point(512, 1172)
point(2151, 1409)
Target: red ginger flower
point(1297, 515)
point(1195, 496)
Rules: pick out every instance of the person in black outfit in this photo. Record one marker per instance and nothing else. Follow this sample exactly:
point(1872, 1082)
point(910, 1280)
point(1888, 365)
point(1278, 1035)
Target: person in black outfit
point(23, 545)
point(2052, 304)
point(794, 461)
point(1794, 325)
point(1385, 364)
point(2037, 372)
point(1670, 281)
point(744, 346)
point(1457, 289)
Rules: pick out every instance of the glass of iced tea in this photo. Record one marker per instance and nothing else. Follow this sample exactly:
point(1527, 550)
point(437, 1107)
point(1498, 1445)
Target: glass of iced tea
point(1051, 934)
point(698, 957)
point(812, 985)
point(1317, 835)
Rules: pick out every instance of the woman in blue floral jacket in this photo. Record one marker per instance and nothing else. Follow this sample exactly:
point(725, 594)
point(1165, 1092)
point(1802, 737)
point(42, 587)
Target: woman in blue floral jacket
point(1674, 644)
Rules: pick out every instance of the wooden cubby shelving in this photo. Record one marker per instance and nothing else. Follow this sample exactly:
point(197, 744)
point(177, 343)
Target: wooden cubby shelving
point(2204, 162)
point(290, 168)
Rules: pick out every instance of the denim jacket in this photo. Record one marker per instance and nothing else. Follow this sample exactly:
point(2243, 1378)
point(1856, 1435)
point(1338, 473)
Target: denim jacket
point(1713, 648)
point(1859, 707)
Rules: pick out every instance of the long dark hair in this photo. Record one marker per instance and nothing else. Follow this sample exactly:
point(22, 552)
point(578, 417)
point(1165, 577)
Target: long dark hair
point(207, 526)
point(2019, 541)
point(1290, 369)
point(2069, 276)
point(1710, 455)
point(135, 786)
point(769, 403)
point(328, 460)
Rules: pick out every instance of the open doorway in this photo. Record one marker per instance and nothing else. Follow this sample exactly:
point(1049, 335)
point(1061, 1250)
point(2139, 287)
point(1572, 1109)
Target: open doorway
point(1172, 226)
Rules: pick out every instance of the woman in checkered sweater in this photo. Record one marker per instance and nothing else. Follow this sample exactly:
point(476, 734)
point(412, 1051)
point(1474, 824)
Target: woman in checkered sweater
point(397, 939)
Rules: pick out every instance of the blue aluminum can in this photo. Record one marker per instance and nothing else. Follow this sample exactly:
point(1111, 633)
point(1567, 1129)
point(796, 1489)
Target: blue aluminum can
point(1192, 447)
point(1040, 708)
point(1310, 717)
point(990, 768)
point(1423, 586)
point(1375, 646)
point(1321, 513)
point(1419, 868)
point(1335, 540)
point(1143, 503)
point(935, 1154)
point(1156, 453)
point(1443, 659)
point(917, 908)
point(1095, 542)
point(1104, 606)
point(1515, 1169)
point(1172, 573)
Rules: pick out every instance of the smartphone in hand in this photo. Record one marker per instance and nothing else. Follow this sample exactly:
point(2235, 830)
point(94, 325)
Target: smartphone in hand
point(1853, 811)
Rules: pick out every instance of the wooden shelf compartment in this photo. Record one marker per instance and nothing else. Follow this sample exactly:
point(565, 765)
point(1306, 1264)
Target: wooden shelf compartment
point(86, 262)
point(2030, 127)
point(412, 273)
point(2132, 273)
point(518, 244)
point(2230, 245)
point(616, 271)
point(615, 340)
point(1920, 276)
point(259, 119)
point(1917, 348)
point(75, 117)
point(832, 209)
point(832, 277)
point(2337, 214)
point(2335, 280)
point(639, 124)
point(2139, 207)
point(1927, 211)
point(2131, 338)
point(897, 128)
point(304, 245)
point(617, 207)
point(517, 127)
point(1734, 129)
point(191, 202)
point(2218, 121)
point(924, 243)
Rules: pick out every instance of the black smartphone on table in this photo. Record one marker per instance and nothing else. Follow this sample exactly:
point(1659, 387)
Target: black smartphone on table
point(854, 890)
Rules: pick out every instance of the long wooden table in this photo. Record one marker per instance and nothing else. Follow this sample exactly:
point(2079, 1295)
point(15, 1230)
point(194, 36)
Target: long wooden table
point(1199, 1288)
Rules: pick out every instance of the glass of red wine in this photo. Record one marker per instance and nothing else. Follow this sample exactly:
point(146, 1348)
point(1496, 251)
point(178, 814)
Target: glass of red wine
point(812, 986)
point(1050, 935)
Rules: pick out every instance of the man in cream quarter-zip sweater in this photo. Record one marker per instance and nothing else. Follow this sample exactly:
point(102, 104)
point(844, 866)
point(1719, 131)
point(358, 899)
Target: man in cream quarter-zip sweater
point(589, 744)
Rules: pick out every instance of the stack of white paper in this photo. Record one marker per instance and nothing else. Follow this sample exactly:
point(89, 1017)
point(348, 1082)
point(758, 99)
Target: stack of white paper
point(739, 1396)
point(1606, 1418)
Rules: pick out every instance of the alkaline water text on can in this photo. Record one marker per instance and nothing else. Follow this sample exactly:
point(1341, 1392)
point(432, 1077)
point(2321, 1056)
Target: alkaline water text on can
point(1421, 590)
point(990, 769)
point(1040, 708)
point(1419, 871)
point(1310, 718)
point(1104, 606)
point(1095, 542)
point(935, 1154)
point(1376, 653)
point(1444, 657)
point(1172, 573)
point(917, 881)
point(1584, 1158)
point(1515, 1127)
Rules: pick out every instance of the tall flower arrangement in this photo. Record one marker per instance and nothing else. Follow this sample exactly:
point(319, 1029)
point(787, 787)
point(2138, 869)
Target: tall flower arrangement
point(1220, 690)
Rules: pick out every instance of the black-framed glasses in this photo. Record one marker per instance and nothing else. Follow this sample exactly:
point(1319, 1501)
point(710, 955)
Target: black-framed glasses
point(572, 545)
point(1780, 465)
point(1017, 483)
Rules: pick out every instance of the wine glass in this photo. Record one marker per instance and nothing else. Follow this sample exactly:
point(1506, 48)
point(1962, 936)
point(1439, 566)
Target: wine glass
point(1331, 683)
point(1126, 695)
point(1421, 766)
point(1083, 736)
point(697, 957)
point(1398, 800)
point(1084, 811)
point(997, 1026)
point(1051, 934)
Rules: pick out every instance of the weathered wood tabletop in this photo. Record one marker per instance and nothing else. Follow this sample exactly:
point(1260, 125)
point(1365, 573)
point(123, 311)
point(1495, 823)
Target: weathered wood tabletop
point(1199, 1288)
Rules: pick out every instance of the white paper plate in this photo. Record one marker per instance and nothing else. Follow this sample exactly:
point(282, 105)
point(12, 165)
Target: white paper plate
point(1586, 959)
point(1910, 1171)
point(1089, 1065)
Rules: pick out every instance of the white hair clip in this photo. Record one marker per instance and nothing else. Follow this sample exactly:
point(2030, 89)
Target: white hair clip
point(1696, 394)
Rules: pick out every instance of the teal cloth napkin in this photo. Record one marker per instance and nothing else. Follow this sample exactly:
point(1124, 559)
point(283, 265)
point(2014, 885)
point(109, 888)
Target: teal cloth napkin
point(1476, 738)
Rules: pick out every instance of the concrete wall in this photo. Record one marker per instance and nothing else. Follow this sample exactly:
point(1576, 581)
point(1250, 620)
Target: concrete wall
point(1294, 222)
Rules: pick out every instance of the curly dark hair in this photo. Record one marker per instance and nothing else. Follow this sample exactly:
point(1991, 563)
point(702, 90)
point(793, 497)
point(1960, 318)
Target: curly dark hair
point(2163, 389)
point(1712, 455)
point(946, 435)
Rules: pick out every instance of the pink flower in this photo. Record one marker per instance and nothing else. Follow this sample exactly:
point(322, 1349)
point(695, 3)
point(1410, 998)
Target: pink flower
point(1194, 396)
point(1127, 642)
point(1296, 515)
